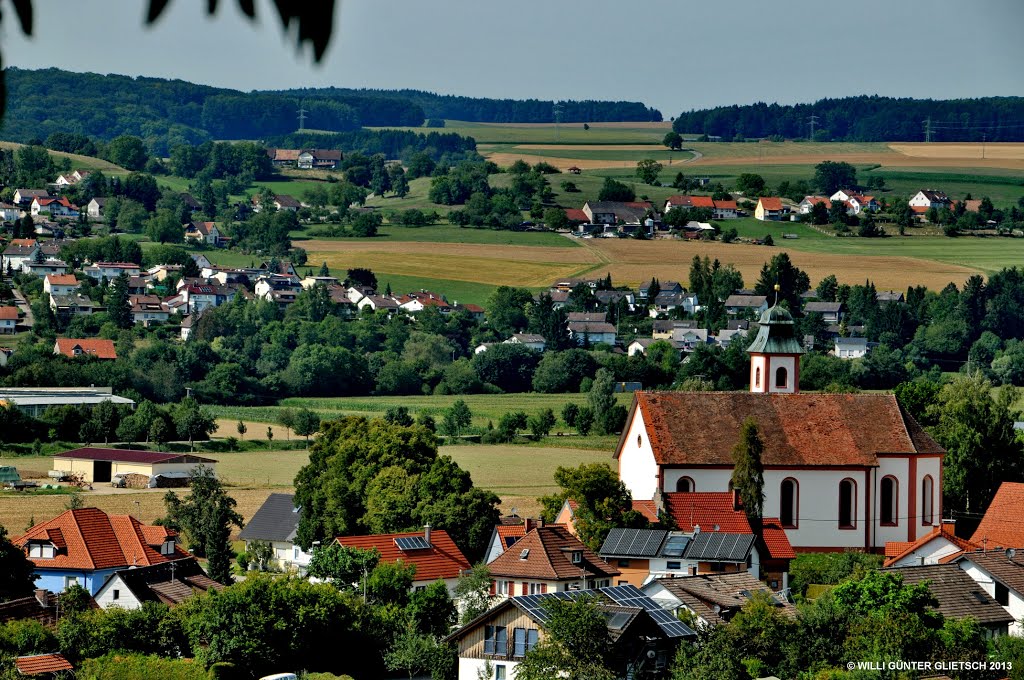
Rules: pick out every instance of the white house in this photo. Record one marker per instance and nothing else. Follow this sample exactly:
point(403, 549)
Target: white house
point(55, 207)
point(60, 284)
point(168, 582)
point(276, 523)
point(584, 332)
point(930, 198)
point(938, 546)
point(8, 319)
point(95, 207)
point(111, 270)
point(531, 340)
point(18, 253)
point(24, 197)
point(203, 232)
point(851, 348)
point(9, 212)
point(842, 471)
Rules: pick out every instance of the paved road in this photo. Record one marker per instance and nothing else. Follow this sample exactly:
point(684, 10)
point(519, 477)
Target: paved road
point(23, 305)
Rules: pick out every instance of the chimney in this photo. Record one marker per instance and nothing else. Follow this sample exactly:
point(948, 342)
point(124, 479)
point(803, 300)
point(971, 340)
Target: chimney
point(736, 503)
point(426, 533)
point(42, 597)
point(532, 524)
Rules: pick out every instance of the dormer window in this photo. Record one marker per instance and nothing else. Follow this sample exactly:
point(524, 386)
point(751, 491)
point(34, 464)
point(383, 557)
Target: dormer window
point(167, 547)
point(577, 556)
point(45, 551)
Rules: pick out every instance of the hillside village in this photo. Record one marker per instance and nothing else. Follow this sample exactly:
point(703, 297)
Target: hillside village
point(743, 473)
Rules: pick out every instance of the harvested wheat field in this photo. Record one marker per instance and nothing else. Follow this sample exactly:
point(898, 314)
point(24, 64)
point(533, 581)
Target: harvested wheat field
point(499, 265)
point(634, 262)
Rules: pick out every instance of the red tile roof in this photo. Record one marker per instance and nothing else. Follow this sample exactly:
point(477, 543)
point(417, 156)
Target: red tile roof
point(647, 509)
point(442, 560)
point(97, 347)
point(8, 313)
point(41, 664)
point(725, 205)
point(1001, 527)
point(576, 215)
point(708, 510)
point(775, 539)
point(702, 202)
point(62, 279)
point(678, 201)
point(770, 203)
point(901, 549)
point(549, 557)
point(818, 199)
point(797, 429)
point(132, 456)
point(89, 538)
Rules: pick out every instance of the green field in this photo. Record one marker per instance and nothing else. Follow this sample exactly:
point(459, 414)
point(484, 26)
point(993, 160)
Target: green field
point(445, 233)
point(485, 407)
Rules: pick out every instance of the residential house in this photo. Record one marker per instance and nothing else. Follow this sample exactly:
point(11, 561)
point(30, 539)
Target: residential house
point(594, 317)
point(506, 533)
point(66, 306)
point(744, 305)
point(724, 210)
point(327, 159)
point(851, 348)
point(616, 212)
point(576, 216)
point(9, 212)
point(640, 345)
point(926, 199)
point(149, 310)
point(201, 296)
point(417, 302)
point(712, 599)
point(862, 455)
point(96, 207)
point(266, 286)
point(960, 596)
point(886, 296)
point(688, 339)
point(592, 333)
point(18, 253)
point(326, 281)
point(831, 312)
point(667, 302)
point(284, 157)
point(45, 268)
point(8, 320)
point(609, 298)
point(111, 270)
point(548, 559)
point(91, 347)
point(661, 329)
point(939, 546)
point(475, 311)
point(279, 267)
point(160, 272)
point(643, 293)
point(378, 302)
point(569, 284)
point(169, 583)
point(531, 340)
point(86, 546)
point(432, 551)
point(138, 285)
point(642, 636)
point(71, 178)
point(24, 197)
point(187, 323)
point(277, 523)
point(808, 203)
point(280, 202)
point(203, 232)
point(856, 202)
point(190, 202)
point(770, 208)
point(55, 207)
point(60, 284)
point(1000, 573)
point(357, 293)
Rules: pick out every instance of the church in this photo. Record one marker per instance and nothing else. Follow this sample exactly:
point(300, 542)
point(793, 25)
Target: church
point(841, 471)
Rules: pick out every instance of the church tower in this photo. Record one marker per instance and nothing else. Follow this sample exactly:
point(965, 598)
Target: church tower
point(775, 354)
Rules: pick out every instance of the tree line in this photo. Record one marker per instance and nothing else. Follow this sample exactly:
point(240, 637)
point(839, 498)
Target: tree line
point(864, 119)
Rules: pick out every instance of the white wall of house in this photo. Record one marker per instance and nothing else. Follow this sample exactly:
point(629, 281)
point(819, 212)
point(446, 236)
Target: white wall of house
point(929, 553)
point(471, 669)
point(1015, 606)
point(8, 325)
point(637, 467)
point(115, 593)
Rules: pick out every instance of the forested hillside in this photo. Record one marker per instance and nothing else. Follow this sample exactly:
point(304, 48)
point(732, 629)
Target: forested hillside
point(866, 119)
point(484, 110)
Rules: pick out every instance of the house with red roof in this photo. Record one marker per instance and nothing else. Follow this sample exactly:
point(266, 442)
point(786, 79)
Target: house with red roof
point(55, 207)
point(85, 546)
point(431, 551)
point(60, 284)
point(770, 208)
point(941, 545)
point(85, 347)
point(548, 559)
point(8, 319)
point(841, 471)
point(203, 232)
point(1001, 526)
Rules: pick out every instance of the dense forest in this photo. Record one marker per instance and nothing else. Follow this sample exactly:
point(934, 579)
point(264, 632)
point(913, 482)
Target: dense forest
point(866, 119)
point(165, 113)
point(485, 110)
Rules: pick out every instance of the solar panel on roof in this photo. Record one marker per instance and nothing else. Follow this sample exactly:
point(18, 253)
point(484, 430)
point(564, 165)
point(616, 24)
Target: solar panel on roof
point(406, 543)
point(631, 596)
point(618, 620)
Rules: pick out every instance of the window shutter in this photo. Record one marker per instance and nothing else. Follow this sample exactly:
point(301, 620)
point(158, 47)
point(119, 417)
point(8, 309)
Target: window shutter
point(543, 588)
point(494, 588)
point(526, 588)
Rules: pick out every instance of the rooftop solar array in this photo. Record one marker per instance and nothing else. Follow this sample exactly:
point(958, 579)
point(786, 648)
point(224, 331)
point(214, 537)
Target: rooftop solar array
point(633, 542)
point(407, 543)
point(626, 596)
point(719, 547)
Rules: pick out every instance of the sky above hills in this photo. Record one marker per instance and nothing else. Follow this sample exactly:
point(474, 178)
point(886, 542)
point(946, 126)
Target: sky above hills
point(672, 54)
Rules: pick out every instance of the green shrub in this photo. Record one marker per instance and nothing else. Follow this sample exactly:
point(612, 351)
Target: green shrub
point(134, 666)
